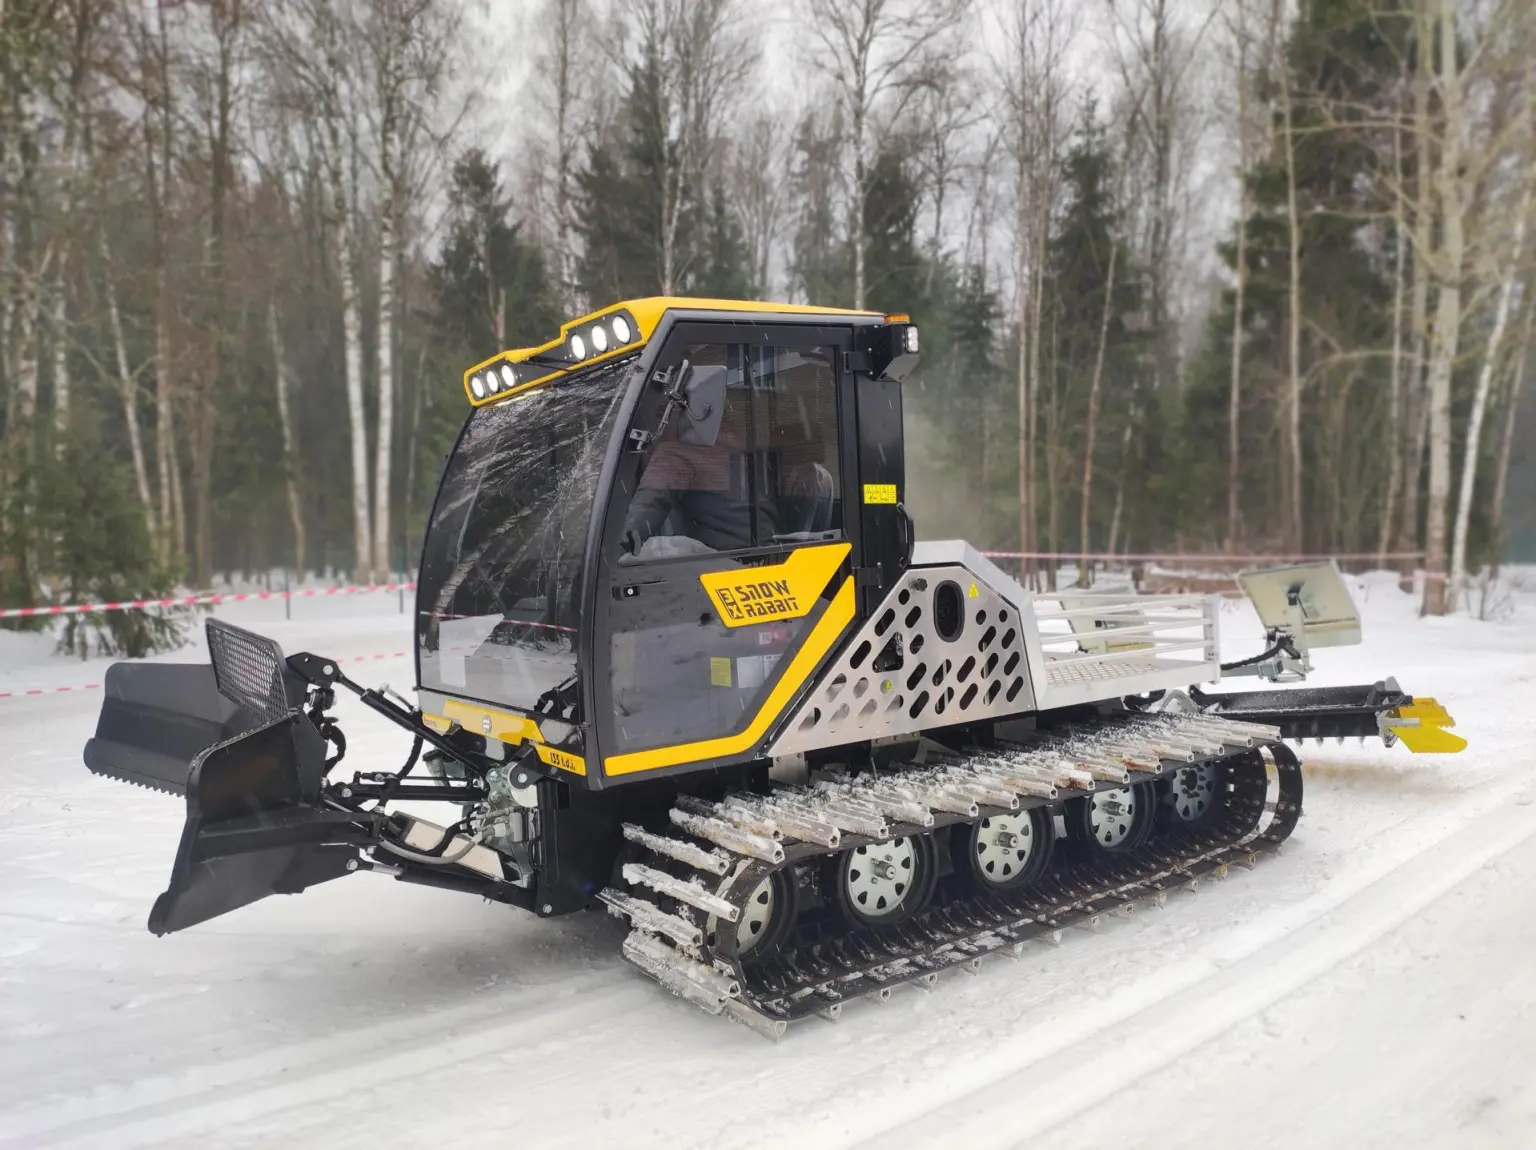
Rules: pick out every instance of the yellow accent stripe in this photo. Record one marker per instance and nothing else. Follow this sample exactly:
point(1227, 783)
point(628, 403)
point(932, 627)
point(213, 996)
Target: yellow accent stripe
point(562, 759)
point(824, 634)
point(647, 314)
point(507, 727)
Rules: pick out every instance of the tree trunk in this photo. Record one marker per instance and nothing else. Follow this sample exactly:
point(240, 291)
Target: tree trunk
point(1094, 389)
point(1125, 463)
point(1447, 316)
point(566, 31)
point(1292, 422)
point(128, 389)
point(290, 462)
point(1031, 432)
point(351, 346)
point(352, 354)
point(1026, 339)
point(411, 446)
point(386, 360)
point(860, 176)
point(1473, 447)
point(1235, 389)
point(178, 504)
point(200, 441)
point(1395, 383)
point(1416, 405)
point(59, 330)
point(1511, 418)
point(170, 517)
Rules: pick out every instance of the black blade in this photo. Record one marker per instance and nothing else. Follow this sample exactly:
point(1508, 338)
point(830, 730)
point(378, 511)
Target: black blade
point(155, 719)
point(1309, 712)
point(255, 826)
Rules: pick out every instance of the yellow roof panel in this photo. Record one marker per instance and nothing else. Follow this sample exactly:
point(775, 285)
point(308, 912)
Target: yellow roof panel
point(645, 315)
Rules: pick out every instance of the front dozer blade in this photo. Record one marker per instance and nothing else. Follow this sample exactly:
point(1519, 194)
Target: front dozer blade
point(155, 719)
point(255, 825)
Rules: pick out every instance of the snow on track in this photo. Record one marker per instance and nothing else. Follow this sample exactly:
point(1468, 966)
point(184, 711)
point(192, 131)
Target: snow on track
point(1371, 980)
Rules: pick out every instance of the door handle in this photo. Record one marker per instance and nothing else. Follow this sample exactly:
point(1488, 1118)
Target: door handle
point(908, 535)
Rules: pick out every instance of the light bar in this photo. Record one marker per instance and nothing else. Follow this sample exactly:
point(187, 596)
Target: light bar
point(601, 336)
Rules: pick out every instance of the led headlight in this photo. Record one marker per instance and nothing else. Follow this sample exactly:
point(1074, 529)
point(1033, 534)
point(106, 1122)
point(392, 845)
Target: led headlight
point(477, 385)
point(621, 332)
point(909, 340)
point(508, 376)
point(599, 339)
point(578, 347)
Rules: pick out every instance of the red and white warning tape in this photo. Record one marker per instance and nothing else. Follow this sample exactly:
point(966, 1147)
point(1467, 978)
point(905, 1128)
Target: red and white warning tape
point(206, 599)
point(1201, 556)
point(33, 691)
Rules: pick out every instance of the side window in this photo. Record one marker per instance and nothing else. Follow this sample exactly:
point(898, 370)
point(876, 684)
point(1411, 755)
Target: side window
point(771, 476)
point(799, 482)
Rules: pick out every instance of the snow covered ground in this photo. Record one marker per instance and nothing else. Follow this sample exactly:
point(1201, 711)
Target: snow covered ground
point(1373, 985)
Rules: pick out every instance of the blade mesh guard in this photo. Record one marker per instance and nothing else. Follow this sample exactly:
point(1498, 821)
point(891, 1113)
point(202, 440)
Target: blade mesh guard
point(248, 670)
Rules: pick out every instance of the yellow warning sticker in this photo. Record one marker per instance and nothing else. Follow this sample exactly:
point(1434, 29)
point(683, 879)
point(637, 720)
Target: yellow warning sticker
point(973, 592)
point(879, 493)
point(719, 672)
point(562, 759)
point(787, 590)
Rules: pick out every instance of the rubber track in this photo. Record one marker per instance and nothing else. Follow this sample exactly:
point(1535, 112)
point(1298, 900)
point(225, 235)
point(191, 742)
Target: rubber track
point(820, 977)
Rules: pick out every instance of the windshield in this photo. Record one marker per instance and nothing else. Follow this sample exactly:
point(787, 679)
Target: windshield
point(499, 601)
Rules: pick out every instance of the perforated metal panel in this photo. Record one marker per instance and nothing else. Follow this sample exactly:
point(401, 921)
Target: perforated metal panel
point(901, 675)
point(248, 669)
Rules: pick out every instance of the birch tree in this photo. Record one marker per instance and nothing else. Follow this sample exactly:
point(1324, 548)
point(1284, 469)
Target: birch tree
point(290, 459)
point(1511, 415)
point(410, 48)
point(128, 388)
point(699, 62)
point(563, 93)
point(312, 48)
point(1291, 422)
point(1469, 80)
point(1473, 450)
point(1157, 52)
point(876, 55)
point(1036, 95)
point(1255, 47)
point(759, 160)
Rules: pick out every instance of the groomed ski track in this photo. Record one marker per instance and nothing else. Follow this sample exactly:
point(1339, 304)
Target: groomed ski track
point(1371, 985)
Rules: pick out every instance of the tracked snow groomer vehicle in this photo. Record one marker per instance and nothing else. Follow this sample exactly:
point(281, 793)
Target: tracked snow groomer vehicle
point(679, 652)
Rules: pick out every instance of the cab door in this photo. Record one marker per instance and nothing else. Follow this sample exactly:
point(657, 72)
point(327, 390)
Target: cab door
point(726, 571)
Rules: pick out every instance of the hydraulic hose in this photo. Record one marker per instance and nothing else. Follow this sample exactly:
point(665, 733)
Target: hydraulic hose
point(431, 860)
point(1281, 648)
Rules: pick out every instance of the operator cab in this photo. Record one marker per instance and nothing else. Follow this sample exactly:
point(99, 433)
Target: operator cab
point(646, 522)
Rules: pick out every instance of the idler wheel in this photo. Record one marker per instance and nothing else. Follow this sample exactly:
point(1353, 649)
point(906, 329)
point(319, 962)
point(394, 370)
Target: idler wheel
point(1194, 794)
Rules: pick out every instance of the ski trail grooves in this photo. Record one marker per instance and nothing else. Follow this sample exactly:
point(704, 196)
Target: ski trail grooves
point(166, 1107)
point(1257, 966)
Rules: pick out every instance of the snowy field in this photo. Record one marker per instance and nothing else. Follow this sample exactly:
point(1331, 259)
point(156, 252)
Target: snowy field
point(1373, 985)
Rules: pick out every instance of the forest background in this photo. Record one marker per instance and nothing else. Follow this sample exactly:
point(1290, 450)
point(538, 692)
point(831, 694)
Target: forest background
point(1194, 275)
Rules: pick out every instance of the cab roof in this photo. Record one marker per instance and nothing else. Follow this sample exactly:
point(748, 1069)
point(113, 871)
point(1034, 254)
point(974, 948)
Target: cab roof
point(605, 334)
